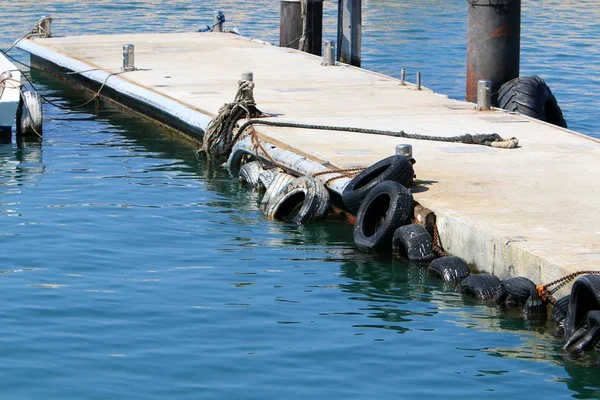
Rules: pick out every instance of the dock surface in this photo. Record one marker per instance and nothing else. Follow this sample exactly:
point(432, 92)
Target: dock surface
point(532, 211)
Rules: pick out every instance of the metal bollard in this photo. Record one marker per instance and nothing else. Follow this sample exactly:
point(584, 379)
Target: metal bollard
point(404, 150)
point(45, 22)
point(493, 43)
point(218, 19)
point(248, 76)
point(128, 58)
point(403, 76)
point(484, 95)
point(418, 81)
point(329, 53)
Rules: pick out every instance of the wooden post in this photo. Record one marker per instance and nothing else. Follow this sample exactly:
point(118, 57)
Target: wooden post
point(493, 48)
point(349, 31)
point(294, 31)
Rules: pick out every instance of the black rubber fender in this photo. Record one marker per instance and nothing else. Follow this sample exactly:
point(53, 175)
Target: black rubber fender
point(585, 297)
point(449, 268)
point(303, 200)
point(480, 286)
point(394, 168)
point(531, 96)
point(587, 336)
point(560, 309)
point(414, 243)
point(388, 206)
point(514, 291)
point(535, 305)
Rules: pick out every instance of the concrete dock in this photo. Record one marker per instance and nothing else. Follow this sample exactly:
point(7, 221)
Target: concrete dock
point(533, 211)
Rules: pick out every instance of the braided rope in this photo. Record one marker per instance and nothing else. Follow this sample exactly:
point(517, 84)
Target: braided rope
point(218, 138)
point(492, 139)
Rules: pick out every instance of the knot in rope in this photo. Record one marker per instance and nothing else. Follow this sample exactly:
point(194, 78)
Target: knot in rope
point(218, 138)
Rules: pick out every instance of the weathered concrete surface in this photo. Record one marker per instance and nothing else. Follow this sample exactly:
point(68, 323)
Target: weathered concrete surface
point(531, 211)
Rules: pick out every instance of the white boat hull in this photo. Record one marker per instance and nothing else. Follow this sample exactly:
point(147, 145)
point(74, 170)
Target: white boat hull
point(9, 98)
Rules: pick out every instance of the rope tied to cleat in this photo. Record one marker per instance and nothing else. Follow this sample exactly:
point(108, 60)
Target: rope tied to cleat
point(218, 139)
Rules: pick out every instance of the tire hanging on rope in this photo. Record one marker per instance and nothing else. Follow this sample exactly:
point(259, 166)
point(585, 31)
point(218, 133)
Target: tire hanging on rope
point(531, 96)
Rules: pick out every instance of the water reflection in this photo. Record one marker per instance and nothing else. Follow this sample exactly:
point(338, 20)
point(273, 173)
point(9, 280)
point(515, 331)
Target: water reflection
point(22, 165)
point(391, 295)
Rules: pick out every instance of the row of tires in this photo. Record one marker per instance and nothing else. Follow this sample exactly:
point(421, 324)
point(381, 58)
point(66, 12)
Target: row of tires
point(576, 316)
point(384, 208)
point(300, 200)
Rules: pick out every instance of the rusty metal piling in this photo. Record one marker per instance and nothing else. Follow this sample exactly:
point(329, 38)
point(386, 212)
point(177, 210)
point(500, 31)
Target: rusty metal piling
point(494, 39)
point(349, 31)
point(295, 32)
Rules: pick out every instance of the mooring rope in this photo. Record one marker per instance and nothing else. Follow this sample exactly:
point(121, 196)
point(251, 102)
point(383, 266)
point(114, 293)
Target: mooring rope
point(491, 139)
point(218, 138)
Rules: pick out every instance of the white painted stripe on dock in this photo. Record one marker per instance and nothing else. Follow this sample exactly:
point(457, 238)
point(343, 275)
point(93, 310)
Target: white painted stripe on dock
point(171, 107)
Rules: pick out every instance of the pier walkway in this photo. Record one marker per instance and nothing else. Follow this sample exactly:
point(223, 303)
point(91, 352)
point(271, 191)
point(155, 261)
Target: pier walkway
point(531, 211)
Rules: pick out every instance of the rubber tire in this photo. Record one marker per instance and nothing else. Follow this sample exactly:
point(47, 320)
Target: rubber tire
point(279, 182)
point(517, 289)
point(480, 286)
point(535, 305)
point(449, 269)
point(560, 309)
point(414, 243)
point(389, 203)
point(305, 190)
point(265, 178)
point(585, 297)
point(394, 168)
point(531, 96)
point(250, 172)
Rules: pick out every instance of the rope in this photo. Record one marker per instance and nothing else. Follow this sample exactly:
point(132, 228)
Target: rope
point(340, 173)
point(492, 139)
point(26, 35)
point(95, 96)
point(437, 243)
point(546, 294)
point(501, 6)
point(218, 138)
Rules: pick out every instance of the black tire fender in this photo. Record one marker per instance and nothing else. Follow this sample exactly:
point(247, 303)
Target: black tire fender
point(388, 206)
point(395, 168)
point(306, 198)
point(585, 297)
point(414, 243)
point(514, 291)
point(560, 309)
point(449, 269)
point(531, 96)
point(480, 286)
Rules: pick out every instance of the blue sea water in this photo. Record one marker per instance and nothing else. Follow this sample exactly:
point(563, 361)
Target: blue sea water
point(129, 271)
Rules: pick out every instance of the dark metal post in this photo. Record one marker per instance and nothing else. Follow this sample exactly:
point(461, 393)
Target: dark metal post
point(349, 31)
point(294, 31)
point(493, 43)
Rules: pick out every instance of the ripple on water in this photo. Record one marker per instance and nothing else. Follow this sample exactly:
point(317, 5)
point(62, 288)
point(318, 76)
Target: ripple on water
point(125, 264)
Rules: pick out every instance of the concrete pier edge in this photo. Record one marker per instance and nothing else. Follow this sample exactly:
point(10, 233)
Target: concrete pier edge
point(478, 245)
